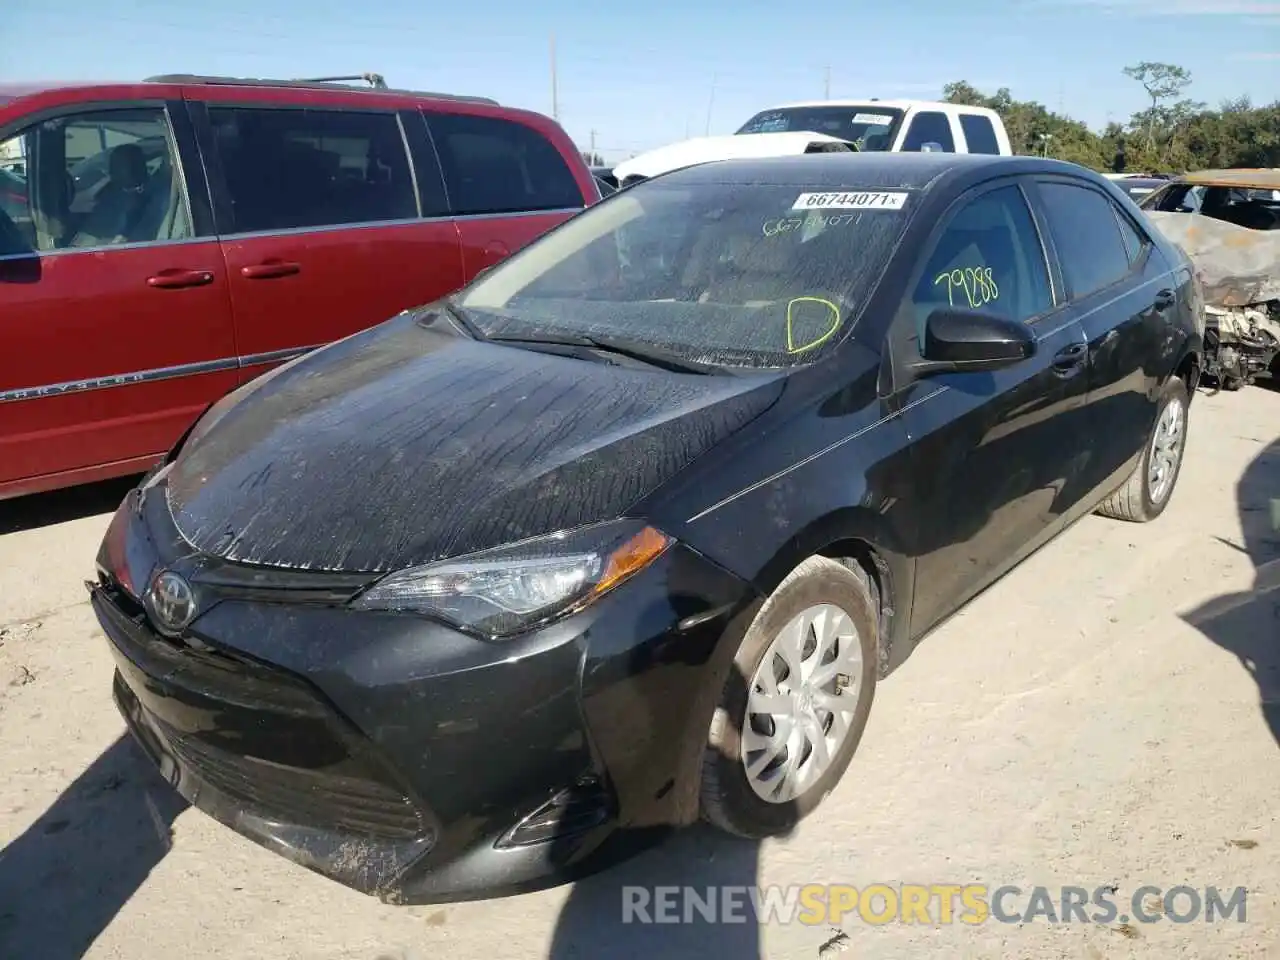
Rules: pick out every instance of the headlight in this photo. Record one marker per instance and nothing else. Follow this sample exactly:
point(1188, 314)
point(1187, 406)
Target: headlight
point(501, 591)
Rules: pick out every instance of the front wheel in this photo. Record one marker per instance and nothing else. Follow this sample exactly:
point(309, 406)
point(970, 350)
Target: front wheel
point(1149, 488)
point(796, 701)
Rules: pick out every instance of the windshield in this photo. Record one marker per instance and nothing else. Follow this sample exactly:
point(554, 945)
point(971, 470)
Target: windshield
point(870, 126)
point(729, 274)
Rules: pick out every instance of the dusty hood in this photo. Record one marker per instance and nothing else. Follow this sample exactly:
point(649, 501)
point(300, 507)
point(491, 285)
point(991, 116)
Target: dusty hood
point(704, 149)
point(1237, 266)
point(407, 444)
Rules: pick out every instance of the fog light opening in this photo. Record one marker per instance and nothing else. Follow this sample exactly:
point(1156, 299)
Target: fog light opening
point(571, 811)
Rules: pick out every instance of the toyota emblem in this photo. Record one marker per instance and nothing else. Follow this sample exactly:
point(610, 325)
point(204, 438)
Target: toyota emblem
point(172, 602)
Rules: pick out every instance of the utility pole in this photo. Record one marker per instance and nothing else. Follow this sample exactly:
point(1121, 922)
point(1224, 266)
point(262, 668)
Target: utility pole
point(555, 92)
point(712, 102)
point(827, 86)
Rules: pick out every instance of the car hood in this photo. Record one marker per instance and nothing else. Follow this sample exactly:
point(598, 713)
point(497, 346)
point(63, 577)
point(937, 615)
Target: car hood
point(410, 443)
point(732, 147)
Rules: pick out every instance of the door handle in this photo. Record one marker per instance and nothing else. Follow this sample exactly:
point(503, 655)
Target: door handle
point(177, 278)
point(1070, 359)
point(1164, 300)
point(269, 270)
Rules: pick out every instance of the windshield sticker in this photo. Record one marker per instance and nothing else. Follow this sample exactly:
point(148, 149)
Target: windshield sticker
point(878, 119)
point(812, 222)
point(816, 318)
point(860, 200)
point(975, 285)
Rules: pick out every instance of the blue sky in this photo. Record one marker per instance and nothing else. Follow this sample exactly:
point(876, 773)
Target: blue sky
point(643, 74)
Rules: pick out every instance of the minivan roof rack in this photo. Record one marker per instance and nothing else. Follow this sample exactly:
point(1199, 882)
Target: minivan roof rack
point(377, 84)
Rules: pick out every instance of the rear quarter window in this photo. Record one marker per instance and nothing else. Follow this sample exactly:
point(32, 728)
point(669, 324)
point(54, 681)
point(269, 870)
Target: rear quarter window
point(492, 165)
point(979, 134)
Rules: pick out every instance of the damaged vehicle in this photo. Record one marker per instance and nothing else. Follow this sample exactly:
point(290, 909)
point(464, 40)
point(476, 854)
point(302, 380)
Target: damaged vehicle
point(627, 532)
point(1228, 222)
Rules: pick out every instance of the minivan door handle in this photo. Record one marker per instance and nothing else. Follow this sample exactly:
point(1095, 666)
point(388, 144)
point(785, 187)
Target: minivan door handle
point(1164, 300)
point(177, 278)
point(269, 270)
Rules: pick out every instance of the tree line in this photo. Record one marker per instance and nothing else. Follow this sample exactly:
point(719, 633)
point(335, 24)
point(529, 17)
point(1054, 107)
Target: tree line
point(1174, 134)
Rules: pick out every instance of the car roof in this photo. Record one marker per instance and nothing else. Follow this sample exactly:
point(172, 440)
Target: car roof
point(14, 91)
point(1257, 179)
point(872, 103)
point(843, 170)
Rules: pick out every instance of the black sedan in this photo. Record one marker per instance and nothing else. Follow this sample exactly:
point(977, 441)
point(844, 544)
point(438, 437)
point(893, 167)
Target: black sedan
point(626, 533)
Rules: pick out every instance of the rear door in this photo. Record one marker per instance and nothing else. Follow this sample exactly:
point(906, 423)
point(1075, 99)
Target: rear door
point(115, 326)
point(329, 224)
point(507, 184)
point(1121, 291)
point(995, 454)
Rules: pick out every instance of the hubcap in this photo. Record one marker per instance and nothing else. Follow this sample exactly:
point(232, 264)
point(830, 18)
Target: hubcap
point(1166, 451)
point(801, 703)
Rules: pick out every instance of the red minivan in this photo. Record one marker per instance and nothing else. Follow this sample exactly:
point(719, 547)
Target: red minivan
point(163, 242)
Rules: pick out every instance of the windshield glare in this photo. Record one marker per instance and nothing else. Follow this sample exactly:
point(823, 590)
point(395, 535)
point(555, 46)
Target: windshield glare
point(729, 274)
point(870, 126)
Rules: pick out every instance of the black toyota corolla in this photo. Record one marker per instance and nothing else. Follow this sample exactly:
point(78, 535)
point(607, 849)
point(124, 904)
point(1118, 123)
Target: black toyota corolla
point(626, 532)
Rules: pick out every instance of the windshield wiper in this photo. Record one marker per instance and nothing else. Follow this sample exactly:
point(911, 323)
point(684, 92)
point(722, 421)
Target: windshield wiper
point(644, 352)
point(459, 316)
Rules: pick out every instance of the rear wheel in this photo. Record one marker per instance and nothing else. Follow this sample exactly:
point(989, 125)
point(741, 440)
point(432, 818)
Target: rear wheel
point(1149, 488)
point(796, 702)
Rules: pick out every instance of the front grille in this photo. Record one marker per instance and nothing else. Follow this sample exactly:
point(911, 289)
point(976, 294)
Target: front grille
point(312, 798)
point(259, 735)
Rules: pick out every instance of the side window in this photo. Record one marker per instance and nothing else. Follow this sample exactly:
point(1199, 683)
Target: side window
point(285, 168)
point(493, 165)
point(989, 258)
point(1088, 240)
point(96, 179)
point(929, 127)
point(1134, 242)
point(979, 134)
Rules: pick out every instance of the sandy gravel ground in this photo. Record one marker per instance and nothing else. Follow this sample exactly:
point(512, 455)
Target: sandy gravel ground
point(1109, 714)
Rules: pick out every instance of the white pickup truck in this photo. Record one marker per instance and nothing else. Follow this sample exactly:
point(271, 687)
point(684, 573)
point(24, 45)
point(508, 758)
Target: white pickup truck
point(869, 125)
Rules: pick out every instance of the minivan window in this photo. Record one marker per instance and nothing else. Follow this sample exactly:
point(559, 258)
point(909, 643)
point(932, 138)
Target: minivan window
point(871, 126)
point(286, 168)
point(737, 275)
point(979, 134)
point(95, 179)
point(929, 127)
point(1090, 248)
point(493, 165)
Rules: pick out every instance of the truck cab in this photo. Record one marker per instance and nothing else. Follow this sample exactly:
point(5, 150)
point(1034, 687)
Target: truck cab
point(895, 126)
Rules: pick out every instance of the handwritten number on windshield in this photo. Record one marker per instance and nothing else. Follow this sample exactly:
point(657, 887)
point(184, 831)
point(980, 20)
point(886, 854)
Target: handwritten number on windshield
point(974, 285)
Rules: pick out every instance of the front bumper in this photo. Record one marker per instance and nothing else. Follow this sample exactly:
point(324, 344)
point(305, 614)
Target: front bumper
point(402, 757)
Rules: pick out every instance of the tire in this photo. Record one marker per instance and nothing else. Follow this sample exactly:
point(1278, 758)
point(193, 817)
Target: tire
point(1232, 384)
point(729, 800)
point(1135, 501)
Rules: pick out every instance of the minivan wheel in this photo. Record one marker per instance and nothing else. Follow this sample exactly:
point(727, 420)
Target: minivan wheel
point(1149, 488)
point(795, 704)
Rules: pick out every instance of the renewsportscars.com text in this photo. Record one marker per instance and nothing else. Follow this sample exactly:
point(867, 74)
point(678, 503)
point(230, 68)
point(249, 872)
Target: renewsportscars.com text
point(931, 904)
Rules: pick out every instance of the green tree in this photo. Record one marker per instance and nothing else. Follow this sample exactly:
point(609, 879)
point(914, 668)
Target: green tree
point(1163, 82)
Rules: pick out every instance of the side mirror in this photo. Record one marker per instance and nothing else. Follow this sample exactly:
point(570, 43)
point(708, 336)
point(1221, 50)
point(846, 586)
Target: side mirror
point(962, 341)
point(931, 147)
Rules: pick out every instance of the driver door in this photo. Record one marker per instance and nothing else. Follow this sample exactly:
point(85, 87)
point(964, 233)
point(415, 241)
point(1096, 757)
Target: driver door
point(995, 454)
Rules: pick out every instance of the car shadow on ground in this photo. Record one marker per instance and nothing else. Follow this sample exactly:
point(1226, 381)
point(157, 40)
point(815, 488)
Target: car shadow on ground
point(58, 506)
point(1248, 623)
point(686, 897)
point(65, 879)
